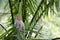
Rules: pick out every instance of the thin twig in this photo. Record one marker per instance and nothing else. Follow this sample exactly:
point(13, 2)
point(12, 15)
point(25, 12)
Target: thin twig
point(3, 27)
point(38, 32)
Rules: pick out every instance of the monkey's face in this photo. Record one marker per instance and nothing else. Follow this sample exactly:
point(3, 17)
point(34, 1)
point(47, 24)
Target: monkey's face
point(18, 18)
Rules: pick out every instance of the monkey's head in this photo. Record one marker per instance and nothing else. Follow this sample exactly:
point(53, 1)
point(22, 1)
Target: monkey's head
point(18, 18)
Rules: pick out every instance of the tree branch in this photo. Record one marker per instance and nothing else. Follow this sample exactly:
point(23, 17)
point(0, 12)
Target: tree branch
point(11, 12)
point(24, 10)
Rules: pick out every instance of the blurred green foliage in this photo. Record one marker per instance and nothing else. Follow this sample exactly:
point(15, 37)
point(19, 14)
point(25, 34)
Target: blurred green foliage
point(41, 18)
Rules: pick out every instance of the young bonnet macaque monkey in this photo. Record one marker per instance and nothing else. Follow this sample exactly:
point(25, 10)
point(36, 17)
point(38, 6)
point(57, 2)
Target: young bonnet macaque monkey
point(19, 24)
point(19, 28)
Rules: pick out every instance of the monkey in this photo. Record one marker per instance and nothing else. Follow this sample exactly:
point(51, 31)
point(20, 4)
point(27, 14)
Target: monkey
point(19, 24)
point(20, 28)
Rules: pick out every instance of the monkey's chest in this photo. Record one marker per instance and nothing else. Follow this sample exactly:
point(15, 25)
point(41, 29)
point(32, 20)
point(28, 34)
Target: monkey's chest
point(19, 26)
